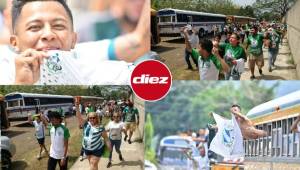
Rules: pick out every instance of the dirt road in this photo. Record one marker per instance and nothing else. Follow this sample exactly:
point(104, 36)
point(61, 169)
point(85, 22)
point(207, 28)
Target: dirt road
point(27, 147)
point(171, 52)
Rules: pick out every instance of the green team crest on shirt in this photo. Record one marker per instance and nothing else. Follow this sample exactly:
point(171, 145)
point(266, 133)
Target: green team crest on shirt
point(54, 64)
point(254, 42)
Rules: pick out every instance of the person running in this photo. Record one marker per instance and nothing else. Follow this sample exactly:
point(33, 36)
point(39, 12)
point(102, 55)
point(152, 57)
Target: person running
point(115, 129)
point(273, 44)
point(59, 135)
point(209, 60)
point(255, 41)
point(245, 124)
point(39, 132)
point(193, 39)
point(131, 120)
point(94, 137)
point(235, 57)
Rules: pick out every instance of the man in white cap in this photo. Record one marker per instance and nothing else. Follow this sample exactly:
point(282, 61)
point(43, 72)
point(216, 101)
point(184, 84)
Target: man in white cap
point(193, 39)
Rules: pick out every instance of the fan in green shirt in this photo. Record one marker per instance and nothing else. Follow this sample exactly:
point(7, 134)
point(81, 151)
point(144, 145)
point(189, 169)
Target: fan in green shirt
point(233, 53)
point(210, 62)
point(255, 41)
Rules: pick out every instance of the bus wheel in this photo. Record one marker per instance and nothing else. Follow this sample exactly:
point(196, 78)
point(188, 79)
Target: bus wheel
point(201, 33)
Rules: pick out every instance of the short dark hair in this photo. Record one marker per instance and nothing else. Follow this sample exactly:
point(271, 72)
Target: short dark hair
point(218, 36)
point(207, 45)
point(54, 114)
point(236, 105)
point(17, 6)
point(255, 28)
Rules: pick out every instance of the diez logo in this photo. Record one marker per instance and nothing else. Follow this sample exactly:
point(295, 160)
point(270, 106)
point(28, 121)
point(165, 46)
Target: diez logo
point(146, 79)
point(151, 80)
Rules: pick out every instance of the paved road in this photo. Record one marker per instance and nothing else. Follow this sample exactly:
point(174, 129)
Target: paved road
point(133, 153)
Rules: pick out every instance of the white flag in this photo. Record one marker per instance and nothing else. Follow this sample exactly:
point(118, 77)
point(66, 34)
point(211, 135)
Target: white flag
point(228, 141)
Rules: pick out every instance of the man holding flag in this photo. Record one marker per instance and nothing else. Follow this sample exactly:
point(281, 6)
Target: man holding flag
point(228, 141)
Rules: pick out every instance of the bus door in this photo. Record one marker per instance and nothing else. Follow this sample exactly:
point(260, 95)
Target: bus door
point(37, 106)
point(190, 20)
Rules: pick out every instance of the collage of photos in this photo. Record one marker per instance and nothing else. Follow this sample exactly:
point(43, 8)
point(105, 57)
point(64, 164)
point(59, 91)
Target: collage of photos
point(150, 84)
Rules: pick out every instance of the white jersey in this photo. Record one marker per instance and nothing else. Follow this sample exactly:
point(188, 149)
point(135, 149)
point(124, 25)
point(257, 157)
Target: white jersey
point(39, 129)
point(193, 40)
point(7, 65)
point(115, 130)
point(88, 64)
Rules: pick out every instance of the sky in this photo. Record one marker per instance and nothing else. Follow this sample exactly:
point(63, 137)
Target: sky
point(244, 2)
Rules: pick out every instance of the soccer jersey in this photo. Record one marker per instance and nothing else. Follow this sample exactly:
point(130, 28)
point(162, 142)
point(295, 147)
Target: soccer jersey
point(58, 136)
point(87, 64)
point(130, 113)
point(256, 44)
point(92, 137)
point(7, 65)
point(233, 53)
point(209, 68)
point(274, 41)
point(194, 40)
point(39, 129)
point(115, 130)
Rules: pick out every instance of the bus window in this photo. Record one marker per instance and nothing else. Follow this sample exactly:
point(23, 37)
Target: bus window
point(165, 19)
point(13, 103)
point(190, 20)
point(173, 19)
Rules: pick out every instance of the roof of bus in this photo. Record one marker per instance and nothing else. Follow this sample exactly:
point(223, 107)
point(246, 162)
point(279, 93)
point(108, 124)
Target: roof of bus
point(244, 17)
point(19, 95)
point(283, 102)
point(170, 141)
point(191, 12)
point(92, 97)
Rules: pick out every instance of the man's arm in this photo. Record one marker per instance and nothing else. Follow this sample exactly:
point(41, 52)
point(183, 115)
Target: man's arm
point(225, 67)
point(186, 40)
point(44, 120)
point(107, 142)
point(66, 144)
point(133, 45)
point(294, 127)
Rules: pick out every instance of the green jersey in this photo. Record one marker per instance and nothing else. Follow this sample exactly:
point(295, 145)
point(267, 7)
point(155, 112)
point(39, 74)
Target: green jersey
point(130, 113)
point(233, 53)
point(209, 68)
point(256, 44)
point(274, 41)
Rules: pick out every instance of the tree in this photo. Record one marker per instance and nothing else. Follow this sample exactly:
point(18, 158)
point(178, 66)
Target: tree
point(188, 104)
point(278, 8)
point(149, 132)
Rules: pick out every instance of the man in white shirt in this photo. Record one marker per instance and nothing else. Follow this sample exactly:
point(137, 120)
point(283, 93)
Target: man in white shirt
point(193, 39)
point(50, 27)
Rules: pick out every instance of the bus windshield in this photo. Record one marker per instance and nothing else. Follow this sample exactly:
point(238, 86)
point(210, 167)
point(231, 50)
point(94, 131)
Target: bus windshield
point(173, 156)
point(165, 19)
point(13, 103)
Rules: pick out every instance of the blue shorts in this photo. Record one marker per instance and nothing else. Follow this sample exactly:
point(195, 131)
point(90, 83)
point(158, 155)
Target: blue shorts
point(41, 141)
point(97, 153)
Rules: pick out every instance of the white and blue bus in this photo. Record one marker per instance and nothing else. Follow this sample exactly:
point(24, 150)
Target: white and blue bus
point(171, 20)
point(172, 152)
point(19, 105)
